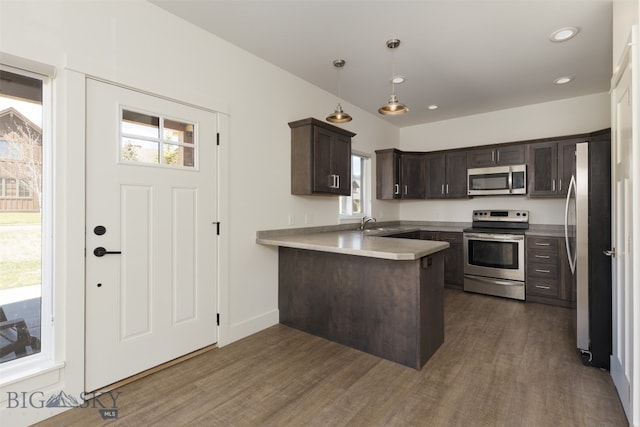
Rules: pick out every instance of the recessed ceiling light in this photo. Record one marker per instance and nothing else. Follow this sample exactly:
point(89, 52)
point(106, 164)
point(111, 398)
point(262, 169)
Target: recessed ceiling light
point(563, 80)
point(398, 79)
point(563, 34)
point(432, 107)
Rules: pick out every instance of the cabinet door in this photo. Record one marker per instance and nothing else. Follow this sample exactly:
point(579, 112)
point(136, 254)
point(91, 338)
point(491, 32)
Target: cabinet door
point(481, 158)
point(456, 185)
point(435, 174)
point(387, 174)
point(543, 169)
point(341, 163)
point(566, 165)
point(453, 258)
point(511, 155)
point(412, 182)
point(332, 162)
point(322, 179)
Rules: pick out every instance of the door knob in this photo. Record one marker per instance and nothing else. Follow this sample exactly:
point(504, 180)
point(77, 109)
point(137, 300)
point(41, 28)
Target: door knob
point(100, 251)
point(611, 253)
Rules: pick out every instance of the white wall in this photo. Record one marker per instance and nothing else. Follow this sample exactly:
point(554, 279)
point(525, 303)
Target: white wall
point(566, 117)
point(137, 44)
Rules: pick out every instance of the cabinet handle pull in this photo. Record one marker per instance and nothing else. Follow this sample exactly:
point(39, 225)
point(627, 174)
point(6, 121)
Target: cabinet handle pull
point(560, 184)
point(543, 287)
point(493, 156)
point(442, 189)
point(543, 244)
point(406, 189)
point(447, 188)
point(337, 181)
point(543, 256)
point(397, 189)
point(542, 271)
point(553, 185)
point(498, 156)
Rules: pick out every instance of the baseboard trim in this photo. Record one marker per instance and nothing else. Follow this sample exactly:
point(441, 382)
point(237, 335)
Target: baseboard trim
point(252, 326)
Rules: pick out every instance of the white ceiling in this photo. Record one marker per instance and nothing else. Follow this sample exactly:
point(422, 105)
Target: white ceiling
point(468, 57)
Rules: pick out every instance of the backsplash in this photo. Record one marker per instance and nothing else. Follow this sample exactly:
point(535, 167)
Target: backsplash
point(541, 211)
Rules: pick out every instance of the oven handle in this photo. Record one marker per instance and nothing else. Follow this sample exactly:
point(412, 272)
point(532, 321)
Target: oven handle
point(497, 237)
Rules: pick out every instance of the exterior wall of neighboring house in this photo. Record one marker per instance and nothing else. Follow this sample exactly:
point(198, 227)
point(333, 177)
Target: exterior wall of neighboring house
point(20, 163)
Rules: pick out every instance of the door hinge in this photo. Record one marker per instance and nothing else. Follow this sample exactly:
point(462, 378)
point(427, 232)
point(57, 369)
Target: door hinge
point(217, 227)
point(218, 319)
point(218, 138)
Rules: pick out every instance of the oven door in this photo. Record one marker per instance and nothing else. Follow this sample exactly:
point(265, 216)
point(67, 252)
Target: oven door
point(499, 256)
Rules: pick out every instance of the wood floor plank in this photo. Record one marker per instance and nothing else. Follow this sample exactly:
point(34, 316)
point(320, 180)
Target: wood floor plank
point(503, 363)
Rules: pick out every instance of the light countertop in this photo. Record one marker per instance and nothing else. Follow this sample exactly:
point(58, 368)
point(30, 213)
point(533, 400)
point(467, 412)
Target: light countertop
point(345, 239)
point(354, 242)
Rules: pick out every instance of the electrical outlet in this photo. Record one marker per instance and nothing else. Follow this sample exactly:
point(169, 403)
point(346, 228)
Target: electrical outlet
point(291, 219)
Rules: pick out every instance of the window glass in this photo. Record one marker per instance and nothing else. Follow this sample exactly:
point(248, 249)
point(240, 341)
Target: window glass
point(140, 124)
point(356, 205)
point(23, 282)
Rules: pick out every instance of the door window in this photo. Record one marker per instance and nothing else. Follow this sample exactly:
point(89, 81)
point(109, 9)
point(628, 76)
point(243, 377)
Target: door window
point(156, 140)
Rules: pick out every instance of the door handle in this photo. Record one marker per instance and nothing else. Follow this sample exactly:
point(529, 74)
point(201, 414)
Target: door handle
point(611, 253)
point(100, 252)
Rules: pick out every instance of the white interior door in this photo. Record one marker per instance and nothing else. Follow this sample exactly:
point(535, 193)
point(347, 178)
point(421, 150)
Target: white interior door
point(151, 197)
point(624, 295)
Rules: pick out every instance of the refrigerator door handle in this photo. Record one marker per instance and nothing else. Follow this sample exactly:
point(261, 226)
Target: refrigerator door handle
point(572, 257)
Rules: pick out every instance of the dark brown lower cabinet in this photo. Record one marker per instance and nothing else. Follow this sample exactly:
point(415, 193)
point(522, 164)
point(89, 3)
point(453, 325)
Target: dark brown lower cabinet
point(391, 309)
point(548, 276)
point(453, 256)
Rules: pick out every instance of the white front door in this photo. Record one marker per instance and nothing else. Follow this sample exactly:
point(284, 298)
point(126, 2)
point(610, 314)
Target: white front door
point(623, 295)
point(151, 200)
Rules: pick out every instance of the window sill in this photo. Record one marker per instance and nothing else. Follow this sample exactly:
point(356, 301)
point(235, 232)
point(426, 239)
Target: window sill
point(19, 370)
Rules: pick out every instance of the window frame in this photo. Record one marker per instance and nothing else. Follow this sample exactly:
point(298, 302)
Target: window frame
point(365, 191)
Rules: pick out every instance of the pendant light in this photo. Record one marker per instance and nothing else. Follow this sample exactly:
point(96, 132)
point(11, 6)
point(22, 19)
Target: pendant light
point(339, 116)
point(393, 107)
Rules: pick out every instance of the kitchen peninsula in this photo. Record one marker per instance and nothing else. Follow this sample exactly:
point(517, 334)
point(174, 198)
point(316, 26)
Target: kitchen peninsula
point(366, 290)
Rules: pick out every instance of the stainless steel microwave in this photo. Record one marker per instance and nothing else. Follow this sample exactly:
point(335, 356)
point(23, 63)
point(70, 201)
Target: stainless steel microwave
point(497, 180)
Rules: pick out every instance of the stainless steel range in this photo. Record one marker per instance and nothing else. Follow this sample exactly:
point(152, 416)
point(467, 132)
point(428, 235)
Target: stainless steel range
point(494, 253)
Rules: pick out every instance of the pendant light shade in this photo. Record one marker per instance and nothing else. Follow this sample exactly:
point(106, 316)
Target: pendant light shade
point(393, 107)
point(339, 116)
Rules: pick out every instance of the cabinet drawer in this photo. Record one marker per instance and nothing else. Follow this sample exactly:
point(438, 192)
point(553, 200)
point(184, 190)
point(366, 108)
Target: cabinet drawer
point(542, 287)
point(449, 236)
point(545, 243)
point(542, 271)
point(544, 256)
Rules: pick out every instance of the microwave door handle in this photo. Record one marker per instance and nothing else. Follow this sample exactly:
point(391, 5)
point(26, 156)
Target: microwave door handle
point(510, 180)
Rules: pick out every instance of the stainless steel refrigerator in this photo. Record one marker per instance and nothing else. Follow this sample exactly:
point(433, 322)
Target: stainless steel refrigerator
point(588, 238)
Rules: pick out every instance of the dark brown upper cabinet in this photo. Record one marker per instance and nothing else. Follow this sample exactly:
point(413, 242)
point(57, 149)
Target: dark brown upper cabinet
point(399, 175)
point(320, 158)
point(550, 167)
point(446, 175)
point(496, 156)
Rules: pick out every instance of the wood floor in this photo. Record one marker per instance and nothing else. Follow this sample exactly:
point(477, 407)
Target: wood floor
point(503, 363)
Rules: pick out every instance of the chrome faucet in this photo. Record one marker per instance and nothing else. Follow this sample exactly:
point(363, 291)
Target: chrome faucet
point(365, 220)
